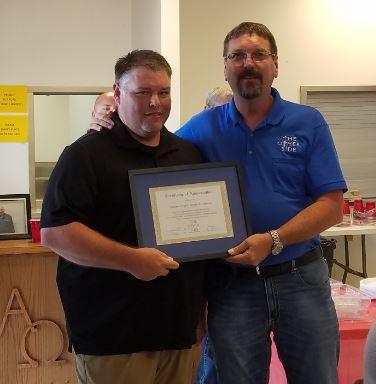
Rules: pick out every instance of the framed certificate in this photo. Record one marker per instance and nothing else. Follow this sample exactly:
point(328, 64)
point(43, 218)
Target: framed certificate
point(190, 212)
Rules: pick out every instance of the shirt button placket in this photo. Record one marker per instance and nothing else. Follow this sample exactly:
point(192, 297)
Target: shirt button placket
point(250, 144)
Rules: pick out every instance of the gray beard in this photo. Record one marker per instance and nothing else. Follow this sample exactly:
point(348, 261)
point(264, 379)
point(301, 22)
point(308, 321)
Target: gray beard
point(249, 93)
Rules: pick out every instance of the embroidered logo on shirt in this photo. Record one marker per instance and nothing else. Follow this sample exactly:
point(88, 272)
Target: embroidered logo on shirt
point(289, 143)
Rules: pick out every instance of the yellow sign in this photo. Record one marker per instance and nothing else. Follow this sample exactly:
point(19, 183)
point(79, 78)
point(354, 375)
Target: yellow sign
point(13, 99)
point(13, 129)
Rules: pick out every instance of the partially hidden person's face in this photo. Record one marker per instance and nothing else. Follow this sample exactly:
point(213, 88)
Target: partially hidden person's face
point(2, 211)
point(219, 100)
point(144, 102)
point(250, 79)
point(105, 104)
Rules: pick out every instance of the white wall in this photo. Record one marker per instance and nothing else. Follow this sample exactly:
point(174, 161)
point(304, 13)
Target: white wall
point(58, 121)
point(14, 168)
point(54, 43)
point(155, 25)
point(75, 43)
point(170, 48)
point(320, 42)
point(51, 121)
point(62, 43)
point(80, 108)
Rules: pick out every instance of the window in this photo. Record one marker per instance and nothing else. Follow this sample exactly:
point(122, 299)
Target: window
point(57, 117)
point(351, 115)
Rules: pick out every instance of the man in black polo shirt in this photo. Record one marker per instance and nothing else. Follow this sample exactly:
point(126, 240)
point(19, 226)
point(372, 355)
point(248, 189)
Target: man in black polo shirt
point(131, 312)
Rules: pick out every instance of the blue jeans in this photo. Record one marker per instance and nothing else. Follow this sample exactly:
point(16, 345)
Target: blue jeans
point(206, 371)
point(244, 308)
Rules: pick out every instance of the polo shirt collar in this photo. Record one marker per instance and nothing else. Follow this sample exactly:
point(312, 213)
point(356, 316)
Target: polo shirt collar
point(122, 137)
point(274, 117)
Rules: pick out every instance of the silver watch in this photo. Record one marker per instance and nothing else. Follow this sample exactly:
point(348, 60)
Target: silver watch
point(277, 243)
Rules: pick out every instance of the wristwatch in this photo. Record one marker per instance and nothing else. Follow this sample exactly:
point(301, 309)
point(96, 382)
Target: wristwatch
point(277, 243)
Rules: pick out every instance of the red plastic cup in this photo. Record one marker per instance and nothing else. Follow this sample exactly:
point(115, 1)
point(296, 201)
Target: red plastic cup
point(346, 207)
point(370, 205)
point(371, 212)
point(358, 205)
point(35, 230)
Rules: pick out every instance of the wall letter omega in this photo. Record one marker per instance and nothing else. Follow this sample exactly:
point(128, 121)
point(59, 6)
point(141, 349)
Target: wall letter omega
point(15, 297)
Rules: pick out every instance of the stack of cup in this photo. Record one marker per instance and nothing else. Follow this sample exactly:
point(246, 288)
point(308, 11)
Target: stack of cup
point(359, 216)
point(371, 212)
point(346, 213)
point(346, 221)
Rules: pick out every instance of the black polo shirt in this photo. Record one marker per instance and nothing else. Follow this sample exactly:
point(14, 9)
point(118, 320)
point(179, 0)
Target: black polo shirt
point(107, 311)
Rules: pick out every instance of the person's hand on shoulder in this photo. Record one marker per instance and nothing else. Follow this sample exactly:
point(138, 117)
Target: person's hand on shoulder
point(151, 263)
point(101, 120)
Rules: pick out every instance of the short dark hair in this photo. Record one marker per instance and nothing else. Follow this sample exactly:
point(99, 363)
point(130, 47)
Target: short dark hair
point(249, 28)
point(141, 58)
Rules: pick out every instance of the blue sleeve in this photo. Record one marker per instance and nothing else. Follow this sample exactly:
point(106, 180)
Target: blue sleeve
point(185, 132)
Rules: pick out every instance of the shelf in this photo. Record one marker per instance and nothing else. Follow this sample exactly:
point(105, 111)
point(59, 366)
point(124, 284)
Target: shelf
point(21, 247)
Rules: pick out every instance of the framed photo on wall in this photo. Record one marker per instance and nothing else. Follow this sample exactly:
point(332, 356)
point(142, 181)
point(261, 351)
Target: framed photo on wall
point(15, 214)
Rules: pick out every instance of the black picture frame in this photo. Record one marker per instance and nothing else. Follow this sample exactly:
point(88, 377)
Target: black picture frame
point(143, 180)
point(15, 214)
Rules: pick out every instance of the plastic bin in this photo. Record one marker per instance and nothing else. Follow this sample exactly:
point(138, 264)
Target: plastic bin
point(350, 302)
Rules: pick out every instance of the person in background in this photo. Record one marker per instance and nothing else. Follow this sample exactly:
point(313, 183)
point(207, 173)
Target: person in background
point(104, 105)
point(217, 96)
point(131, 312)
point(6, 222)
point(276, 280)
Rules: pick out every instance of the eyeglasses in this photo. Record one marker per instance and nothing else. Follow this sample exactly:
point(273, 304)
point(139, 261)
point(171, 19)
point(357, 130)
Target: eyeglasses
point(239, 57)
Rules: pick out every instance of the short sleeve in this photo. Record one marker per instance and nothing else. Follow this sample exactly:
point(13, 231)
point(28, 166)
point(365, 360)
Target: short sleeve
point(72, 189)
point(324, 172)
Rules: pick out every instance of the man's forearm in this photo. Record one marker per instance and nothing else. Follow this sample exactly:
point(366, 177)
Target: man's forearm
point(82, 245)
point(322, 214)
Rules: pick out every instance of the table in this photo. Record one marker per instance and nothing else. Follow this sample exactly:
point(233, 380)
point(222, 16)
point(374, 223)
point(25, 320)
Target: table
point(353, 335)
point(352, 230)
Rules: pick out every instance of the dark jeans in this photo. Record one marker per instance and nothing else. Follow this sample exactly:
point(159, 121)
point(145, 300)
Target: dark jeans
point(244, 308)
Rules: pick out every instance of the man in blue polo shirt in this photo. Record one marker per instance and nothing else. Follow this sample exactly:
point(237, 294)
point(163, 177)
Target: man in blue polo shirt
point(276, 279)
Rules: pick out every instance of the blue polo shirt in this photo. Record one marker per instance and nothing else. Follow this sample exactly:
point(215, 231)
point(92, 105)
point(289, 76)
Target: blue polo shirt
point(288, 161)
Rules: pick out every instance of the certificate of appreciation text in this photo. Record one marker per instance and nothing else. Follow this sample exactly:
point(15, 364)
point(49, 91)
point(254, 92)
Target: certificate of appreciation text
point(191, 212)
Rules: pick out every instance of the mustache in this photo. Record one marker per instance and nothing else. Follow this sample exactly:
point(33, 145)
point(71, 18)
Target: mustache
point(247, 73)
